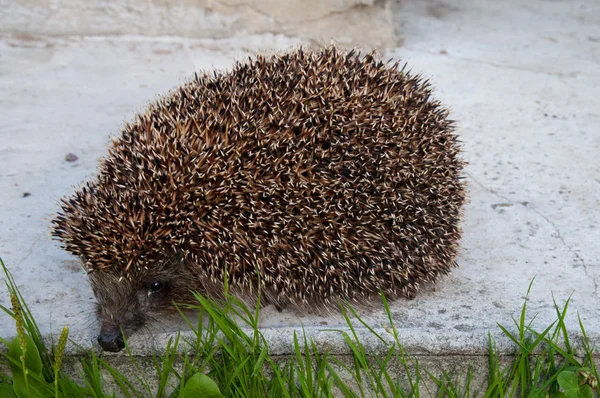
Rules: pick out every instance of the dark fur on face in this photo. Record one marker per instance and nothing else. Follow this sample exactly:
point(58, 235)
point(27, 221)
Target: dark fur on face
point(126, 303)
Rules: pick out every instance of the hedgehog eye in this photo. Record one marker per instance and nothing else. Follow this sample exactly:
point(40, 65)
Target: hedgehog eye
point(156, 286)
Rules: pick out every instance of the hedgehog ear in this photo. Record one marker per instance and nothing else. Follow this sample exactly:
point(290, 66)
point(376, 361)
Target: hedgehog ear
point(176, 259)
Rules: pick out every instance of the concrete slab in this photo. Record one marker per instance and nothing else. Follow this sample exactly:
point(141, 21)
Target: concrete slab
point(522, 80)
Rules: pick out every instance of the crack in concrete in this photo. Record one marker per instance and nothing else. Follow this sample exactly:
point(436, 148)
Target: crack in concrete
point(248, 6)
point(559, 235)
point(561, 75)
point(30, 251)
point(569, 248)
point(490, 190)
point(295, 24)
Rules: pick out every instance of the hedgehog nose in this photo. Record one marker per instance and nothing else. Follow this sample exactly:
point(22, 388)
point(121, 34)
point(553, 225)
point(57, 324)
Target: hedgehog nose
point(111, 341)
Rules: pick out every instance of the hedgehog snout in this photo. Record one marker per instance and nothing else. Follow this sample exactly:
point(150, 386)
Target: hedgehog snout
point(111, 340)
point(116, 324)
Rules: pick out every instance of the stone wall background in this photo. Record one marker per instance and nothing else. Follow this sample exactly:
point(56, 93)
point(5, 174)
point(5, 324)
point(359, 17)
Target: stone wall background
point(363, 23)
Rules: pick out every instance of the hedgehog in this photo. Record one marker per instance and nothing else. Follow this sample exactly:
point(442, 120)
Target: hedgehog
point(305, 177)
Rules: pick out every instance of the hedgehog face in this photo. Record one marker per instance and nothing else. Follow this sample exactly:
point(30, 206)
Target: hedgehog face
point(126, 303)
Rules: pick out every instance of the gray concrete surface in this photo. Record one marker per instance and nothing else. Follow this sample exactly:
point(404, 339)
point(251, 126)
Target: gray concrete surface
point(522, 79)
